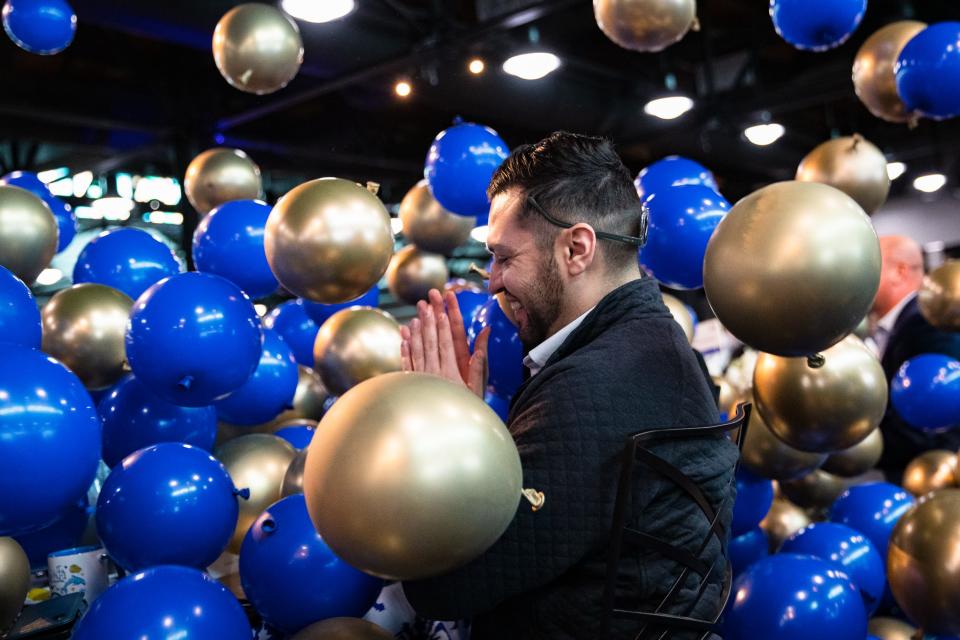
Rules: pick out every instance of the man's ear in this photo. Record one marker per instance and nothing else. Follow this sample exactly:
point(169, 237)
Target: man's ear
point(580, 247)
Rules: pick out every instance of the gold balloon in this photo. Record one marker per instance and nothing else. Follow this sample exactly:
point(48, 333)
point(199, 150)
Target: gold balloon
point(428, 225)
point(930, 471)
point(14, 582)
point(873, 77)
point(922, 566)
point(343, 629)
point(28, 233)
point(328, 240)
point(680, 313)
point(645, 25)
point(412, 273)
point(308, 399)
point(257, 48)
point(769, 457)
point(257, 462)
point(792, 268)
point(939, 296)
point(823, 409)
point(782, 521)
point(356, 344)
point(858, 459)
point(890, 629)
point(220, 175)
point(851, 164)
point(817, 490)
point(410, 475)
point(293, 478)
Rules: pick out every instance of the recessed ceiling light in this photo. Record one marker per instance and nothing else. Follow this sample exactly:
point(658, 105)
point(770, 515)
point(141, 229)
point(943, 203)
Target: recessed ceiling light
point(764, 134)
point(403, 89)
point(930, 182)
point(668, 107)
point(895, 170)
point(318, 10)
point(477, 66)
point(532, 66)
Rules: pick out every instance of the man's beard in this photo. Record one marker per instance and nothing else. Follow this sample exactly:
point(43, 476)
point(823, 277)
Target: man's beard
point(543, 306)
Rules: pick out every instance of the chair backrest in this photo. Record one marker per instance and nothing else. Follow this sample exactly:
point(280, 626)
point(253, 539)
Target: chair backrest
point(636, 450)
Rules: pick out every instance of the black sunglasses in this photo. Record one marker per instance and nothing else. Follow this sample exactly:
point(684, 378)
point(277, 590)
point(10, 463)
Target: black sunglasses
point(637, 241)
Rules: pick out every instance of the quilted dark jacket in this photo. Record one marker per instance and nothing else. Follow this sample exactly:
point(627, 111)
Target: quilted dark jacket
point(625, 369)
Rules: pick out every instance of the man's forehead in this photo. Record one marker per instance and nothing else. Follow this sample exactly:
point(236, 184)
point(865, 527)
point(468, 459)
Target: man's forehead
point(502, 224)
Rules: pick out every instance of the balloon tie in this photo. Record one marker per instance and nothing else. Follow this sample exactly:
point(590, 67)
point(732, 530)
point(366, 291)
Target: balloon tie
point(457, 120)
point(695, 25)
point(913, 121)
point(535, 498)
point(125, 366)
point(373, 187)
point(483, 273)
point(816, 361)
point(242, 493)
point(185, 383)
point(268, 526)
point(857, 139)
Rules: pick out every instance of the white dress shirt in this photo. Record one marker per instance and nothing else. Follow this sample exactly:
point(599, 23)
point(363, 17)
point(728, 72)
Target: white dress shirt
point(539, 355)
point(881, 333)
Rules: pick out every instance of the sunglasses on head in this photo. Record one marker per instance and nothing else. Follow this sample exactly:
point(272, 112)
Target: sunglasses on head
point(616, 237)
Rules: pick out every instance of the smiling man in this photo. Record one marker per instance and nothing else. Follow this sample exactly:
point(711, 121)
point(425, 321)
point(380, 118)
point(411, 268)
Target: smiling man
point(606, 360)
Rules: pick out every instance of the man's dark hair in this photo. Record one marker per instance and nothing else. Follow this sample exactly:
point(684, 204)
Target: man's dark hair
point(576, 178)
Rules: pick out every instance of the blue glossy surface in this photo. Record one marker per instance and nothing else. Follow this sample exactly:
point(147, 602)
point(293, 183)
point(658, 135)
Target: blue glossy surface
point(793, 597)
point(50, 430)
point(928, 71)
point(193, 338)
point(66, 219)
point(319, 312)
point(672, 171)
point(44, 27)
point(127, 259)
point(872, 509)
point(299, 436)
point(291, 321)
point(229, 243)
point(926, 392)
point(470, 302)
point(681, 221)
point(19, 314)
point(133, 417)
point(165, 603)
point(268, 391)
point(754, 497)
point(504, 350)
point(169, 503)
point(816, 25)
point(498, 403)
point(746, 549)
point(65, 532)
point(459, 165)
point(851, 549)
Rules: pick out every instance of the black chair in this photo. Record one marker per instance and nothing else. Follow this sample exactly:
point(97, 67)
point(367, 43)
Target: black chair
point(635, 451)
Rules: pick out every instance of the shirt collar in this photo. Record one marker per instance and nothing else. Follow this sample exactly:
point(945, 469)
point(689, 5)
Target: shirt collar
point(890, 318)
point(539, 355)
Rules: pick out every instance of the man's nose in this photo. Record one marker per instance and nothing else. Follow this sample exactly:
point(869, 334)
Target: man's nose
point(494, 284)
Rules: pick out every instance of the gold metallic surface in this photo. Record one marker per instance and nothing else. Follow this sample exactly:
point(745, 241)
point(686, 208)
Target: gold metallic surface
point(817, 490)
point(410, 475)
point(412, 273)
point(83, 327)
point(890, 629)
point(220, 175)
point(308, 400)
point(356, 344)
point(293, 478)
point(792, 268)
point(257, 48)
point(28, 233)
point(14, 582)
point(768, 457)
point(680, 313)
point(428, 225)
point(343, 629)
point(782, 521)
point(826, 409)
point(645, 25)
point(328, 240)
point(873, 77)
point(851, 164)
point(939, 296)
point(858, 459)
point(930, 471)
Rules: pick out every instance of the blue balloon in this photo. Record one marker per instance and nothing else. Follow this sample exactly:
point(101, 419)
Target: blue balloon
point(19, 314)
point(681, 221)
point(229, 243)
point(64, 533)
point(470, 301)
point(816, 25)
point(270, 389)
point(319, 312)
point(926, 392)
point(50, 442)
point(291, 321)
point(754, 497)
point(504, 349)
point(66, 219)
point(168, 503)
point(313, 584)
point(747, 548)
point(134, 417)
point(873, 509)
point(793, 597)
point(44, 27)
point(498, 403)
point(672, 171)
point(928, 72)
point(99, 394)
point(193, 338)
point(459, 165)
point(165, 602)
point(851, 549)
point(129, 260)
point(297, 435)
point(26, 180)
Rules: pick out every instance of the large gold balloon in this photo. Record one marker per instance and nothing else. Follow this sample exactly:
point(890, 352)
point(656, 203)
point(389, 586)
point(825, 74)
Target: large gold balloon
point(851, 164)
point(410, 475)
point(28, 233)
point(220, 175)
point(14, 582)
point(428, 225)
point(329, 240)
point(257, 48)
point(930, 471)
point(890, 629)
point(293, 478)
point(792, 268)
point(782, 521)
point(922, 566)
point(257, 462)
point(939, 296)
point(680, 313)
point(645, 25)
point(822, 409)
point(873, 77)
point(817, 490)
point(83, 327)
point(356, 344)
point(343, 629)
point(858, 459)
point(412, 273)
point(769, 457)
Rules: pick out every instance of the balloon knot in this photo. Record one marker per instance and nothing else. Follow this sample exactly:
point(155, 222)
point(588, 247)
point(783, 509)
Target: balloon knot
point(457, 120)
point(816, 361)
point(857, 139)
point(185, 383)
point(242, 493)
point(535, 498)
point(695, 25)
point(913, 121)
point(373, 187)
point(483, 273)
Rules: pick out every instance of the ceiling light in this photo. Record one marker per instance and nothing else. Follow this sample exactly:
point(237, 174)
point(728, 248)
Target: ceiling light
point(895, 170)
point(930, 182)
point(318, 10)
point(402, 88)
point(49, 276)
point(51, 175)
point(532, 66)
point(668, 107)
point(480, 233)
point(764, 134)
point(476, 66)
